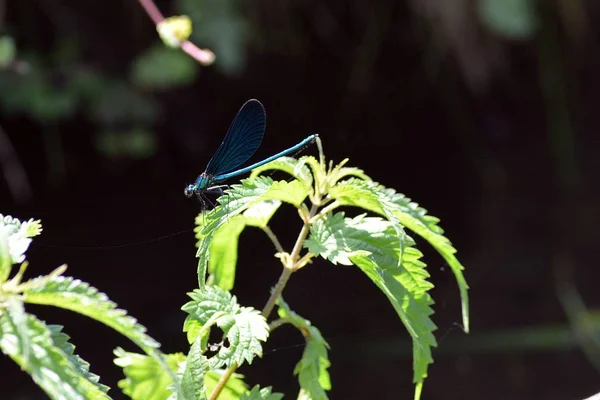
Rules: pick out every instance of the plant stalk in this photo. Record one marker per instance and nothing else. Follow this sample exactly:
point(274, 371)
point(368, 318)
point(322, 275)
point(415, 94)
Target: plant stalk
point(268, 308)
point(274, 239)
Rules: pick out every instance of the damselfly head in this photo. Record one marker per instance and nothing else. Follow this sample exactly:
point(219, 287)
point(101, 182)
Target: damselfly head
point(189, 191)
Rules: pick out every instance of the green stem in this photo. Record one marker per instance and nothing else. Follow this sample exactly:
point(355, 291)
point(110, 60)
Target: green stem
point(303, 261)
point(274, 239)
point(277, 323)
point(303, 234)
point(326, 210)
point(283, 278)
point(223, 381)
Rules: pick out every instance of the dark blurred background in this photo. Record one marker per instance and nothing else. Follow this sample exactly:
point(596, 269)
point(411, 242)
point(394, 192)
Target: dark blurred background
point(483, 111)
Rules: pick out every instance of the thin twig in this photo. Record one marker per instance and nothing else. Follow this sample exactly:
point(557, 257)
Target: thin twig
point(222, 382)
point(303, 261)
point(203, 56)
point(325, 210)
point(152, 11)
point(277, 323)
point(274, 239)
point(283, 278)
point(303, 234)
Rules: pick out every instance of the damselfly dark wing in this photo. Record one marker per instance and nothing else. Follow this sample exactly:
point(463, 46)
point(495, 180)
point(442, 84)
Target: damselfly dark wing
point(242, 139)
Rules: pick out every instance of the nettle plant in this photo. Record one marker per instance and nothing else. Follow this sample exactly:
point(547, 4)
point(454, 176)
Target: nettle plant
point(376, 242)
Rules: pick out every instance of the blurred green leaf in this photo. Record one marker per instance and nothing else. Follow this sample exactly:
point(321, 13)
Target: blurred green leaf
point(108, 143)
point(90, 83)
point(8, 50)
point(140, 143)
point(121, 104)
point(38, 93)
point(135, 143)
point(513, 19)
point(162, 68)
point(144, 377)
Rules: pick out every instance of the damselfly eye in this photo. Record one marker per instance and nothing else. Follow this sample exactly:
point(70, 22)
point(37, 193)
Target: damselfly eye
point(189, 191)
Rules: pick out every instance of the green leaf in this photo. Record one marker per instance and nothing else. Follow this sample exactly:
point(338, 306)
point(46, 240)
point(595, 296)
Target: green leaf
point(196, 368)
point(401, 276)
point(319, 173)
point(413, 310)
point(15, 312)
point(62, 341)
point(312, 369)
point(290, 192)
point(208, 301)
point(8, 51)
point(224, 249)
point(224, 243)
point(294, 167)
point(260, 214)
point(358, 193)
point(261, 394)
point(245, 195)
point(161, 68)
point(236, 200)
point(75, 295)
point(340, 172)
point(145, 379)
point(327, 239)
point(513, 19)
point(193, 328)
point(378, 199)
point(244, 327)
point(5, 256)
point(18, 234)
point(244, 331)
point(55, 370)
point(253, 190)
